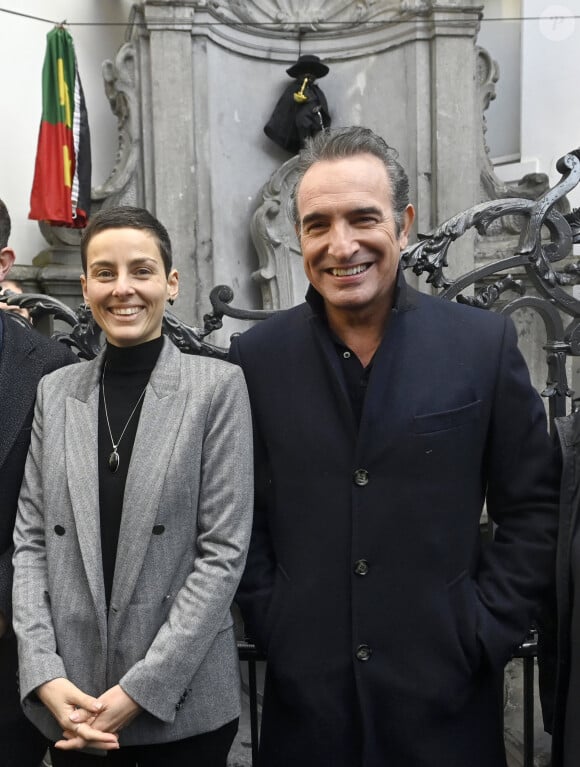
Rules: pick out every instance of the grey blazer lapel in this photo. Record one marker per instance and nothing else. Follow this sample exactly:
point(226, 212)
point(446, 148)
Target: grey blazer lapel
point(159, 422)
point(81, 423)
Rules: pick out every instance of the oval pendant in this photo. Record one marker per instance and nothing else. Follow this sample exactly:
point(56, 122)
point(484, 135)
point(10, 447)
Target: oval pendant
point(114, 461)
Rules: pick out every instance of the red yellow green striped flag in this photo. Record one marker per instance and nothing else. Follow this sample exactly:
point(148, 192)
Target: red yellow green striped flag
point(61, 191)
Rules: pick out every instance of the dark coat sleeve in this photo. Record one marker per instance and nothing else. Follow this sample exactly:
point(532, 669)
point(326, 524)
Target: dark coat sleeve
point(255, 589)
point(554, 624)
point(516, 570)
point(51, 355)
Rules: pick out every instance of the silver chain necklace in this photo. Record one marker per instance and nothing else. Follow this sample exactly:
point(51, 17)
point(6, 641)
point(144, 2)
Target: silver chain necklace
point(114, 459)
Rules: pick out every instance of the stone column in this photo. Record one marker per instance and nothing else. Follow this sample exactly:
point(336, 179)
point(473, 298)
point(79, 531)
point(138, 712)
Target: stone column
point(456, 120)
point(171, 120)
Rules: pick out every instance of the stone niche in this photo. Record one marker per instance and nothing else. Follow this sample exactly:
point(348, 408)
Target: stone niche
point(196, 82)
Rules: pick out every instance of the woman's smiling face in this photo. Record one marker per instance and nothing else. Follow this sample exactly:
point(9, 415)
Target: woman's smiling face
point(126, 286)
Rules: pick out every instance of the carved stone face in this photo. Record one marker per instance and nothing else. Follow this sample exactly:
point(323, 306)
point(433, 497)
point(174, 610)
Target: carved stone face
point(126, 286)
point(348, 235)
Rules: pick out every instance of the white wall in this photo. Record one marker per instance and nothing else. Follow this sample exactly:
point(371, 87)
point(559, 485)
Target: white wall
point(500, 34)
point(550, 86)
point(22, 49)
point(548, 112)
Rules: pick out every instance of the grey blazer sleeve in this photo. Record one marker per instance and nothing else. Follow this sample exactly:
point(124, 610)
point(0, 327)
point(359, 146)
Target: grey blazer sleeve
point(224, 516)
point(38, 660)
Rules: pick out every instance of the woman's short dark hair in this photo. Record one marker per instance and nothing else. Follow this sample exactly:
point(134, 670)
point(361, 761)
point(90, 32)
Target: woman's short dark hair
point(340, 143)
point(127, 217)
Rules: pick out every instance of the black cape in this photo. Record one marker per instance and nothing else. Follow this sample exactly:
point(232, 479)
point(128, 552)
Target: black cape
point(291, 123)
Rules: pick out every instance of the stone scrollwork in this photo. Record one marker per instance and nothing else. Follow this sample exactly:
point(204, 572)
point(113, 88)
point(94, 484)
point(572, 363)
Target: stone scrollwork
point(121, 88)
point(487, 77)
point(281, 276)
point(532, 185)
point(533, 253)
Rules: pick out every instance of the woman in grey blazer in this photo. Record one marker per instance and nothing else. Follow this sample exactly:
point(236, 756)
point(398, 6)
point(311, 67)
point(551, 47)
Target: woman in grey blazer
point(133, 523)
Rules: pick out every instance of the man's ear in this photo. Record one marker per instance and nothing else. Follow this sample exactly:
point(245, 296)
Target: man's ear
point(7, 258)
point(408, 218)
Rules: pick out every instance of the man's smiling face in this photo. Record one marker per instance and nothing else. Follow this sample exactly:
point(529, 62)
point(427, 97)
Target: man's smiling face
point(349, 237)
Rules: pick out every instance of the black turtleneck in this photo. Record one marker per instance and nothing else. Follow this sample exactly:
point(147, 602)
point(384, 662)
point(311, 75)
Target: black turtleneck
point(127, 373)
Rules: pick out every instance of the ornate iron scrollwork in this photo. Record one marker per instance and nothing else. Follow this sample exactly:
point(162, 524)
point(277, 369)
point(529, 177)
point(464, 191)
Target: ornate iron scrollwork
point(546, 239)
point(84, 332)
point(490, 294)
point(84, 336)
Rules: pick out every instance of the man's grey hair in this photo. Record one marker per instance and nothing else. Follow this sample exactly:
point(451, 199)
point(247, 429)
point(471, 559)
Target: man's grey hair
point(4, 226)
point(340, 143)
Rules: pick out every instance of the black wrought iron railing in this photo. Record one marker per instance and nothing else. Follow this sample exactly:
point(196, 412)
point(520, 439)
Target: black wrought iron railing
point(538, 275)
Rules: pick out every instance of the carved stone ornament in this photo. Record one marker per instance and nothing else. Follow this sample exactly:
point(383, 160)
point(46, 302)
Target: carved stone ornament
point(60, 235)
point(316, 15)
point(63, 245)
point(281, 275)
point(531, 186)
point(121, 88)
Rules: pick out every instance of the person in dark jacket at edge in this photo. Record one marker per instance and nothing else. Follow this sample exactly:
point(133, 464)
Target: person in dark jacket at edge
point(25, 356)
point(383, 419)
point(559, 645)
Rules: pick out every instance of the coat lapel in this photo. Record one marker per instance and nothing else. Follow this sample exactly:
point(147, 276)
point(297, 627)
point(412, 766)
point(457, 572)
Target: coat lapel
point(332, 363)
point(159, 422)
point(81, 420)
point(384, 382)
point(385, 388)
point(387, 381)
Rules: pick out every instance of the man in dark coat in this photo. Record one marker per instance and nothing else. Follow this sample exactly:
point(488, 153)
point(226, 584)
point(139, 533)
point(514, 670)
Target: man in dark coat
point(25, 356)
point(384, 418)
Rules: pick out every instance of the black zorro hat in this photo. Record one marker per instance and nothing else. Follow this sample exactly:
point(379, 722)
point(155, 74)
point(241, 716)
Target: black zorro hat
point(308, 65)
